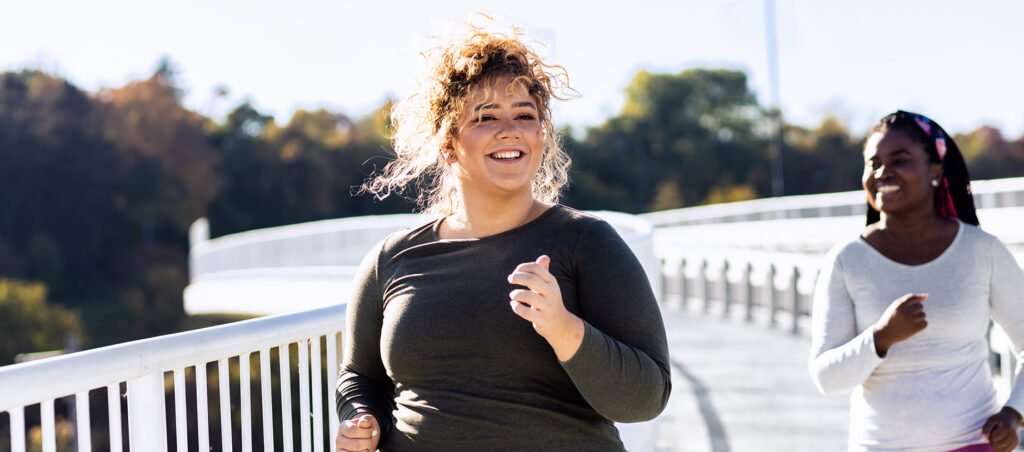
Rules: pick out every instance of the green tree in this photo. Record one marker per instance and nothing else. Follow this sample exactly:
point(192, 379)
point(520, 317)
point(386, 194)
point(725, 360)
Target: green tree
point(696, 129)
point(989, 155)
point(823, 159)
point(61, 180)
point(29, 324)
point(304, 171)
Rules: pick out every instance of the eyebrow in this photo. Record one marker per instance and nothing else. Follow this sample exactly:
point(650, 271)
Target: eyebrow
point(515, 105)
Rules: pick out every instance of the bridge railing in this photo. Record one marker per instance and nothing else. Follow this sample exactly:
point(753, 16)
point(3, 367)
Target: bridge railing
point(146, 394)
point(773, 289)
point(988, 194)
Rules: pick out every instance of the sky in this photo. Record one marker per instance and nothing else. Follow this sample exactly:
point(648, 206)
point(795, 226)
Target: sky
point(962, 63)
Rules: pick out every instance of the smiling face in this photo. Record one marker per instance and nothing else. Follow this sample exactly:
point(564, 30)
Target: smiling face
point(499, 144)
point(898, 173)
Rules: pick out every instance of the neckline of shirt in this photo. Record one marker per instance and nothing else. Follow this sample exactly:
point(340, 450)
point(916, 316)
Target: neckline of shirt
point(435, 228)
point(940, 257)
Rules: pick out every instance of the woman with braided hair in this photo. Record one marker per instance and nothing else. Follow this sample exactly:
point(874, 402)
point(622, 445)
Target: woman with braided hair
point(511, 322)
point(901, 313)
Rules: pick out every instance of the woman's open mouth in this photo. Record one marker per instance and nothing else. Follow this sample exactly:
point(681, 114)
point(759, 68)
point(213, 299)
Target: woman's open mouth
point(506, 156)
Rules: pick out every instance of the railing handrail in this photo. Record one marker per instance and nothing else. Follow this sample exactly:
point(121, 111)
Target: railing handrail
point(800, 202)
point(100, 367)
point(302, 229)
point(270, 273)
point(762, 205)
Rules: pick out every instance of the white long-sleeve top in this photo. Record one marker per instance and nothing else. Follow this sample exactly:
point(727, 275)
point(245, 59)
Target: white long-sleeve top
point(934, 391)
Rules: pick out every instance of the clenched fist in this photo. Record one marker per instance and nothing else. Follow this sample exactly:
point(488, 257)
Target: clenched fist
point(904, 318)
point(361, 433)
point(541, 304)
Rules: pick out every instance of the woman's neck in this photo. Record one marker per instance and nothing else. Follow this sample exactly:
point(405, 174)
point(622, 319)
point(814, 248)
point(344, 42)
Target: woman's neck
point(912, 225)
point(485, 216)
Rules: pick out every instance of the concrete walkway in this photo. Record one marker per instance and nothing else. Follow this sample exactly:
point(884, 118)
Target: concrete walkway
point(744, 387)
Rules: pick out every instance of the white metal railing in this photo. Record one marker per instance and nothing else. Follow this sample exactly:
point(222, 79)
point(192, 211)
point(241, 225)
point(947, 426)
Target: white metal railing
point(281, 269)
point(139, 372)
point(764, 269)
point(758, 285)
point(988, 194)
point(772, 288)
point(309, 265)
point(337, 242)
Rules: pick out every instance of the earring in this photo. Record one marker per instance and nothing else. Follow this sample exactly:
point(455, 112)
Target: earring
point(935, 182)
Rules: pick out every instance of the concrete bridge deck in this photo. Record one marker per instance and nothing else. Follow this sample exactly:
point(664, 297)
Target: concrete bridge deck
point(743, 387)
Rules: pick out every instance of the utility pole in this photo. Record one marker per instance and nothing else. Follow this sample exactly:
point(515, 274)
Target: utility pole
point(778, 181)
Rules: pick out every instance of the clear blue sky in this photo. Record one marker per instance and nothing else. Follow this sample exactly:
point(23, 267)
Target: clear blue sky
point(960, 62)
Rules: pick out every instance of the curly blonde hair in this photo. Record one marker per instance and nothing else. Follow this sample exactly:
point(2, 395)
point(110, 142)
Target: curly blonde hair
point(427, 120)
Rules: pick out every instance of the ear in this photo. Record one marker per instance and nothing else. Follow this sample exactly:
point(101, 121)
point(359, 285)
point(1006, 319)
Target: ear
point(936, 171)
point(448, 153)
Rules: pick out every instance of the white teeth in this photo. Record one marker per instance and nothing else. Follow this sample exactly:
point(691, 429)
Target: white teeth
point(506, 154)
point(888, 189)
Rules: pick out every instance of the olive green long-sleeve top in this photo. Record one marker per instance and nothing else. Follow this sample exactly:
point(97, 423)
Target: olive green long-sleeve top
point(433, 350)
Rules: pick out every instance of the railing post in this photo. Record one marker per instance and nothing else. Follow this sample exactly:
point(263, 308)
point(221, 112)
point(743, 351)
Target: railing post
point(795, 307)
point(772, 299)
point(17, 417)
point(146, 416)
point(749, 297)
point(668, 280)
point(705, 285)
point(726, 292)
point(682, 284)
point(198, 235)
point(663, 275)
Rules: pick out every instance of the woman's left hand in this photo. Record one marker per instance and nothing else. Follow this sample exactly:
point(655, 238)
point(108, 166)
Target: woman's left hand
point(1001, 429)
point(541, 304)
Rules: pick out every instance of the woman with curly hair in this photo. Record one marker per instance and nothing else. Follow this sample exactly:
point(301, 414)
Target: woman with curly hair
point(901, 313)
point(511, 322)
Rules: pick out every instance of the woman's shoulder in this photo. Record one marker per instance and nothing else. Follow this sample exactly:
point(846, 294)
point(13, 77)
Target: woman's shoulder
point(574, 217)
point(852, 249)
point(580, 224)
point(405, 238)
point(972, 233)
point(979, 244)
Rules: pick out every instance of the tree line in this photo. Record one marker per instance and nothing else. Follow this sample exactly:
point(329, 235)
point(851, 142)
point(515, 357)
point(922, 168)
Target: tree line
point(99, 188)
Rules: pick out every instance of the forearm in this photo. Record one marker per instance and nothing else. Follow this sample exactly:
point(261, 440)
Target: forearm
point(358, 394)
point(846, 366)
point(621, 383)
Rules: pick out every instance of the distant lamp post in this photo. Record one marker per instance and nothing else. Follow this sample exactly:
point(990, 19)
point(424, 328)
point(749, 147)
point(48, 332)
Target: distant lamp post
point(778, 178)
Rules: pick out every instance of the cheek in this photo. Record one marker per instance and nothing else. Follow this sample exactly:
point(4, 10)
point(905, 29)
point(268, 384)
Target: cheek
point(471, 138)
point(534, 134)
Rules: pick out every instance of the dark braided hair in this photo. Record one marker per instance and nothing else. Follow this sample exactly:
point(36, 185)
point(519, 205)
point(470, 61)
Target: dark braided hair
point(954, 170)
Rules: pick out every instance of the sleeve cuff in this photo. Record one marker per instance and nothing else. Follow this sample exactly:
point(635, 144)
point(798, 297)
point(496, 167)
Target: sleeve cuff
point(867, 347)
point(587, 347)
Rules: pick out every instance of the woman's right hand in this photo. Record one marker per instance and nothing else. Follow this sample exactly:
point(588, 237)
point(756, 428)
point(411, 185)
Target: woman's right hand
point(903, 318)
point(359, 434)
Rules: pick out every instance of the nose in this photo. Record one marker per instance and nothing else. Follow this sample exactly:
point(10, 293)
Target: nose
point(509, 130)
